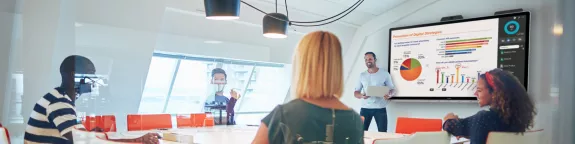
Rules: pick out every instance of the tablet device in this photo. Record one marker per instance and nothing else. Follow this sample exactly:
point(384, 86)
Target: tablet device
point(378, 91)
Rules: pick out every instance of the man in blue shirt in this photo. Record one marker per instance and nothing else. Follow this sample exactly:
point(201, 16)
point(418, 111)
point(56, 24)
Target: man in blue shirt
point(371, 106)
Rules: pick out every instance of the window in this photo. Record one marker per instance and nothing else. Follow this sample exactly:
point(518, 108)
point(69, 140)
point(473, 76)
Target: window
point(269, 89)
point(190, 87)
point(181, 84)
point(157, 84)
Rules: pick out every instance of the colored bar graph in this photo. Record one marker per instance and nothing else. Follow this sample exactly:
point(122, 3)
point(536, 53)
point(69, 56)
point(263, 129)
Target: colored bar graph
point(447, 81)
point(451, 78)
point(442, 77)
point(467, 40)
point(451, 45)
point(467, 80)
point(462, 78)
point(465, 46)
point(456, 53)
point(457, 74)
point(437, 76)
point(461, 50)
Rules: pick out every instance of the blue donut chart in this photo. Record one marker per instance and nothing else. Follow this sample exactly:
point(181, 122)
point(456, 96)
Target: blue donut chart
point(511, 23)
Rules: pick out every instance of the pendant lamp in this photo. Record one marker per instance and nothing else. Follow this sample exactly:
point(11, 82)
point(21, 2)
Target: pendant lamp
point(222, 9)
point(275, 25)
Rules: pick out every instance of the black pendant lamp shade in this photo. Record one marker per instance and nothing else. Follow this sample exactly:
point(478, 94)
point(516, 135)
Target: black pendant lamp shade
point(275, 25)
point(222, 9)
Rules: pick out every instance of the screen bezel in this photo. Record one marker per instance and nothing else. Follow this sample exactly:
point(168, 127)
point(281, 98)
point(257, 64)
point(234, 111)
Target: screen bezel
point(526, 80)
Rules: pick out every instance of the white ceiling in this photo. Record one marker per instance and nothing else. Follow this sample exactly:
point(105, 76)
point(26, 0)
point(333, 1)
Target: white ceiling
point(186, 18)
point(327, 8)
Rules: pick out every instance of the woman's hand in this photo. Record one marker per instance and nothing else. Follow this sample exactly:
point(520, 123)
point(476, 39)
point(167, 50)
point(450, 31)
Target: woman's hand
point(450, 116)
point(235, 94)
point(150, 138)
point(359, 95)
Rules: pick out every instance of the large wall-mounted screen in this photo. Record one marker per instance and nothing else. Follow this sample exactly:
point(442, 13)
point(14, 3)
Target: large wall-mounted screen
point(443, 60)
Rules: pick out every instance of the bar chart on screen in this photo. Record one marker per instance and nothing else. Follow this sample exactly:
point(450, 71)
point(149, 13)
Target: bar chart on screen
point(451, 48)
point(459, 77)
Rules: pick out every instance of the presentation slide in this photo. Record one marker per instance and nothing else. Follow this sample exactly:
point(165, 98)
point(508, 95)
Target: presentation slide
point(446, 60)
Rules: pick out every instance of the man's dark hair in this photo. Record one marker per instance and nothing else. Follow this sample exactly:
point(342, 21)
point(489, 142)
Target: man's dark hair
point(219, 71)
point(75, 63)
point(372, 54)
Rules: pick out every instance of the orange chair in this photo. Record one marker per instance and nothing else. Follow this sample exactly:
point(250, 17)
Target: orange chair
point(197, 120)
point(209, 120)
point(149, 121)
point(90, 122)
point(107, 123)
point(184, 121)
point(411, 125)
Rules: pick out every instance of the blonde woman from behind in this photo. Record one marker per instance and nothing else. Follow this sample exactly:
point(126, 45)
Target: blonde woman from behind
point(316, 115)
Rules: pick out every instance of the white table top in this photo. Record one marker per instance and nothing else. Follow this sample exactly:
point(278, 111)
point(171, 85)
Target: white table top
point(211, 135)
point(369, 137)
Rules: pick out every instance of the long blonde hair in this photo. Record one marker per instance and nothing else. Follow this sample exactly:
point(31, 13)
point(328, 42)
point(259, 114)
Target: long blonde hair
point(317, 66)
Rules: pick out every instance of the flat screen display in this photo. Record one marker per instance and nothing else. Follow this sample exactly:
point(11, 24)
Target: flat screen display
point(444, 60)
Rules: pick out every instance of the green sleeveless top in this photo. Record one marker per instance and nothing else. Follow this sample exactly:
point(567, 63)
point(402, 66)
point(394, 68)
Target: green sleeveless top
point(299, 122)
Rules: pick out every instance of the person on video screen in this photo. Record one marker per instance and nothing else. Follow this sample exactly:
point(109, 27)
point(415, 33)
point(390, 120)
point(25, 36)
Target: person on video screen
point(219, 81)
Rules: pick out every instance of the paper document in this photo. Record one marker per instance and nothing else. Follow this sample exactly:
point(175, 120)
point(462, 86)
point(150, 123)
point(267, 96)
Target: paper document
point(378, 91)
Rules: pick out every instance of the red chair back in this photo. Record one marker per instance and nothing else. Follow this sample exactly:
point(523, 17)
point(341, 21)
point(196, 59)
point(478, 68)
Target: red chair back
point(184, 121)
point(209, 120)
point(411, 125)
point(90, 122)
point(149, 121)
point(107, 123)
point(198, 119)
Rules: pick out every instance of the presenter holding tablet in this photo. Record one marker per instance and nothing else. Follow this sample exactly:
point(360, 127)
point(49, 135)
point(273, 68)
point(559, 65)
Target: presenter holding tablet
point(373, 104)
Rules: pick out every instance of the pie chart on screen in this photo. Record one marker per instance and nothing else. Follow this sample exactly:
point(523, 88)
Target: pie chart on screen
point(410, 69)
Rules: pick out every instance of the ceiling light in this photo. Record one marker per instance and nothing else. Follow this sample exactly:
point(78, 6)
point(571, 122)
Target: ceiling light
point(212, 42)
point(275, 25)
point(222, 9)
point(558, 29)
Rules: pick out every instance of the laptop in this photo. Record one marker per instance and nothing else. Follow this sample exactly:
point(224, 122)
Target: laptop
point(378, 91)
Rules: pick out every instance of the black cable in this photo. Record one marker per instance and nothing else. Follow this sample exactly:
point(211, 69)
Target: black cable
point(254, 7)
point(287, 12)
point(354, 5)
point(330, 21)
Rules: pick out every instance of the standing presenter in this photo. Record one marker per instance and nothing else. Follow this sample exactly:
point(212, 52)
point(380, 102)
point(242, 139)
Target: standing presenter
point(372, 106)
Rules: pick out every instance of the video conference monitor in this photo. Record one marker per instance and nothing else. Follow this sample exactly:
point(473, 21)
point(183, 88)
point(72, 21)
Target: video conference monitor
point(442, 61)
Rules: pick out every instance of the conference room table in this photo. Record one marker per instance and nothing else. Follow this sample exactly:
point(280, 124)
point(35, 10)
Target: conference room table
point(210, 135)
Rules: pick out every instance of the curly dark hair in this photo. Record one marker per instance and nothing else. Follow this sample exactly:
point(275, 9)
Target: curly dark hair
point(510, 99)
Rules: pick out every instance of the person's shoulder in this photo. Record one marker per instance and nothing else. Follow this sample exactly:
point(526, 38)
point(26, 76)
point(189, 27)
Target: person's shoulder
point(486, 112)
point(486, 115)
point(383, 72)
point(295, 104)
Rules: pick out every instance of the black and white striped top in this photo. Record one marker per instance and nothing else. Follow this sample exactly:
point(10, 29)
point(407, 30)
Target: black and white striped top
point(53, 116)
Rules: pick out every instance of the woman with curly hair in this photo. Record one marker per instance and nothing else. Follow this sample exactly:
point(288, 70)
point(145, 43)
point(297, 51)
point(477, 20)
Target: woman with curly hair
point(510, 109)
